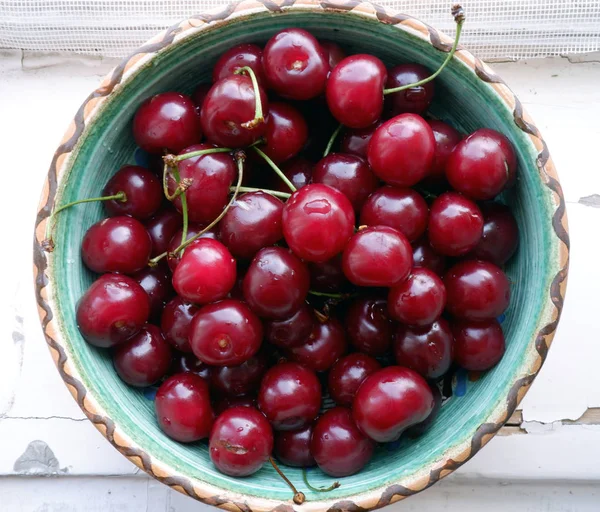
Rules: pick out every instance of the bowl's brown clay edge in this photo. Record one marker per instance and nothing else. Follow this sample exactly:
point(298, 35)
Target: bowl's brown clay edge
point(209, 494)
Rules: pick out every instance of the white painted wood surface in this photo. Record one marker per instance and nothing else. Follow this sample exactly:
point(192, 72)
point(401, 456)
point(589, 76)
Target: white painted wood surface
point(546, 465)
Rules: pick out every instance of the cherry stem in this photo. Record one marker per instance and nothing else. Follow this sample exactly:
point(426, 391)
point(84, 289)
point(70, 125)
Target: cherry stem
point(332, 140)
point(321, 317)
point(275, 168)
point(184, 206)
point(172, 160)
point(276, 193)
point(333, 295)
point(258, 112)
point(299, 497)
point(459, 18)
point(333, 486)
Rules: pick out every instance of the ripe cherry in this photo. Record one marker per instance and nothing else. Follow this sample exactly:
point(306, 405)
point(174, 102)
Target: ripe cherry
point(356, 142)
point(327, 276)
point(326, 344)
point(292, 447)
point(161, 227)
point(369, 327)
point(420, 428)
point(175, 322)
point(333, 53)
point(142, 190)
point(157, 284)
point(239, 380)
point(500, 236)
point(291, 331)
point(347, 374)
point(237, 57)
point(227, 402)
point(478, 346)
point(286, 132)
point(298, 171)
point(185, 362)
point(198, 98)
point(415, 99)
point(425, 256)
point(446, 138)
point(174, 258)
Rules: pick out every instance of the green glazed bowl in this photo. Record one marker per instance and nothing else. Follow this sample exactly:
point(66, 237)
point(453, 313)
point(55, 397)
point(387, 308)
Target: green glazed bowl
point(99, 140)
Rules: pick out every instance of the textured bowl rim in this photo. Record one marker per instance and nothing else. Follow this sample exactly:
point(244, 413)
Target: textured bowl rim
point(455, 455)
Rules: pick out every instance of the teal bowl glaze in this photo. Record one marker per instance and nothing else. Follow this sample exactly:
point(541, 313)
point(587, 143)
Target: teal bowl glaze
point(469, 95)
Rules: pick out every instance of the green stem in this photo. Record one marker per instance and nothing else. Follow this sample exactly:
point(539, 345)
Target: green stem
point(276, 169)
point(184, 206)
point(258, 112)
point(276, 193)
point(333, 486)
point(332, 140)
point(332, 295)
point(299, 497)
point(172, 159)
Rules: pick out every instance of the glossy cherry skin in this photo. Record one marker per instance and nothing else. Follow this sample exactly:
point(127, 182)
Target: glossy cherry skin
point(389, 401)
point(455, 224)
point(185, 362)
point(239, 380)
point(333, 52)
point(446, 138)
point(237, 57)
point(478, 346)
point(419, 300)
point(183, 408)
point(338, 446)
point(161, 227)
point(142, 190)
point(240, 442)
point(295, 64)
point(198, 97)
point(325, 345)
point(113, 309)
point(356, 142)
point(167, 121)
point(377, 256)
point(175, 322)
point(476, 290)
point(403, 209)
point(225, 333)
point(276, 283)
point(291, 331)
point(227, 402)
point(426, 350)
point(289, 396)
point(292, 447)
point(318, 221)
point(205, 273)
point(286, 132)
point(425, 256)
point(173, 259)
point(143, 359)
point(420, 428)
point(416, 99)
point(157, 284)
point(116, 244)
point(252, 222)
point(401, 150)
point(327, 276)
point(369, 326)
point(482, 165)
point(298, 171)
point(355, 90)
point(347, 374)
point(350, 174)
point(500, 236)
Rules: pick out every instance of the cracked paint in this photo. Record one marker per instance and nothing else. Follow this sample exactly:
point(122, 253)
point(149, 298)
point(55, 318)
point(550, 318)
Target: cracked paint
point(38, 459)
point(592, 201)
point(14, 367)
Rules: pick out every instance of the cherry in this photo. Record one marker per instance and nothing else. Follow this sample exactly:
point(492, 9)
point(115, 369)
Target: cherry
point(183, 409)
point(298, 171)
point(252, 222)
point(389, 401)
point(333, 52)
point(184, 362)
point(369, 327)
point(113, 309)
point(500, 236)
point(239, 380)
point(403, 209)
point(227, 402)
point(240, 442)
point(236, 58)
point(419, 300)
point(142, 190)
point(295, 64)
point(198, 98)
point(327, 276)
point(291, 331)
point(286, 132)
point(144, 359)
point(175, 322)
point(349, 174)
point(478, 346)
point(415, 99)
point(292, 447)
point(355, 90)
point(420, 428)
point(225, 333)
point(347, 374)
point(161, 227)
point(116, 244)
point(377, 256)
point(157, 284)
point(426, 350)
point(338, 446)
point(356, 142)
point(173, 258)
point(401, 150)
point(455, 224)
point(326, 344)
point(166, 121)
point(205, 273)
point(424, 256)
point(476, 290)
point(446, 138)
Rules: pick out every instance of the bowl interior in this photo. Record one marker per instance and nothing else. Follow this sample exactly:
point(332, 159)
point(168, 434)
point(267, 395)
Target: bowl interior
point(461, 99)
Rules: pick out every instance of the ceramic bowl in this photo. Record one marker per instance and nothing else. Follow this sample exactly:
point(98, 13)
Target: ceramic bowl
point(469, 95)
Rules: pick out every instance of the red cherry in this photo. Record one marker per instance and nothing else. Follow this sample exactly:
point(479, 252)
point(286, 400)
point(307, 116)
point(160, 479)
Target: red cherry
point(420, 428)
point(227, 402)
point(173, 258)
point(183, 362)
point(166, 121)
point(198, 98)
point(478, 346)
point(424, 256)
point(333, 53)
point(161, 227)
point(500, 236)
point(286, 132)
point(446, 138)
point(347, 374)
point(356, 142)
point(157, 284)
point(369, 327)
point(327, 276)
point(293, 447)
point(175, 322)
point(415, 99)
point(325, 346)
point(142, 190)
point(377, 256)
point(239, 380)
point(183, 409)
point(237, 57)
point(291, 331)
point(298, 171)
point(113, 309)
point(339, 448)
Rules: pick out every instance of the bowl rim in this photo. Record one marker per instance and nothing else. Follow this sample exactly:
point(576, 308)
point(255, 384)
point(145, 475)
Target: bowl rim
point(455, 455)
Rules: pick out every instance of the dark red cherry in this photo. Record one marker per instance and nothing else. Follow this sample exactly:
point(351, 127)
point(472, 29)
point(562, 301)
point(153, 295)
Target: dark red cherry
point(415, 99)
point(325, 345)
point(425, 256)
point(338, 446)
point(252, 222)
point(298, 171)
point(183, 408)
point(455, 224)
point(292, 447)
point(500, 236)
point(426, 350)
point(355, 90)
point(237, 57)
point(157, 284)
point(403, 209)
point(318, 221)
point(333, 52)
point(198, 96)
point(184, 362)
point(401, 150)
point(446, 138)
point(227, 402)
point(295, 64)
point(144, 359)
point(167, 121)
point(173, 258)
point(291, 331)
point(225, 333)
point(347, 374)
point(142, 189)
point(290, 396)
point(389, 401)
point(327, 276)
point(116, 244)
point(476, 290)
point(369, 327)
point(239, 380)
point(175, 322)
point(240, 442)
point(356, 142)
point(113, 309)
point(420, 428)
point(161, 227)
point(377, 256)
point(478, 346)
point(286, 132)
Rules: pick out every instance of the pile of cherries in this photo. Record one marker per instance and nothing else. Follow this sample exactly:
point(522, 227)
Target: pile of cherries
point(250, 292)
